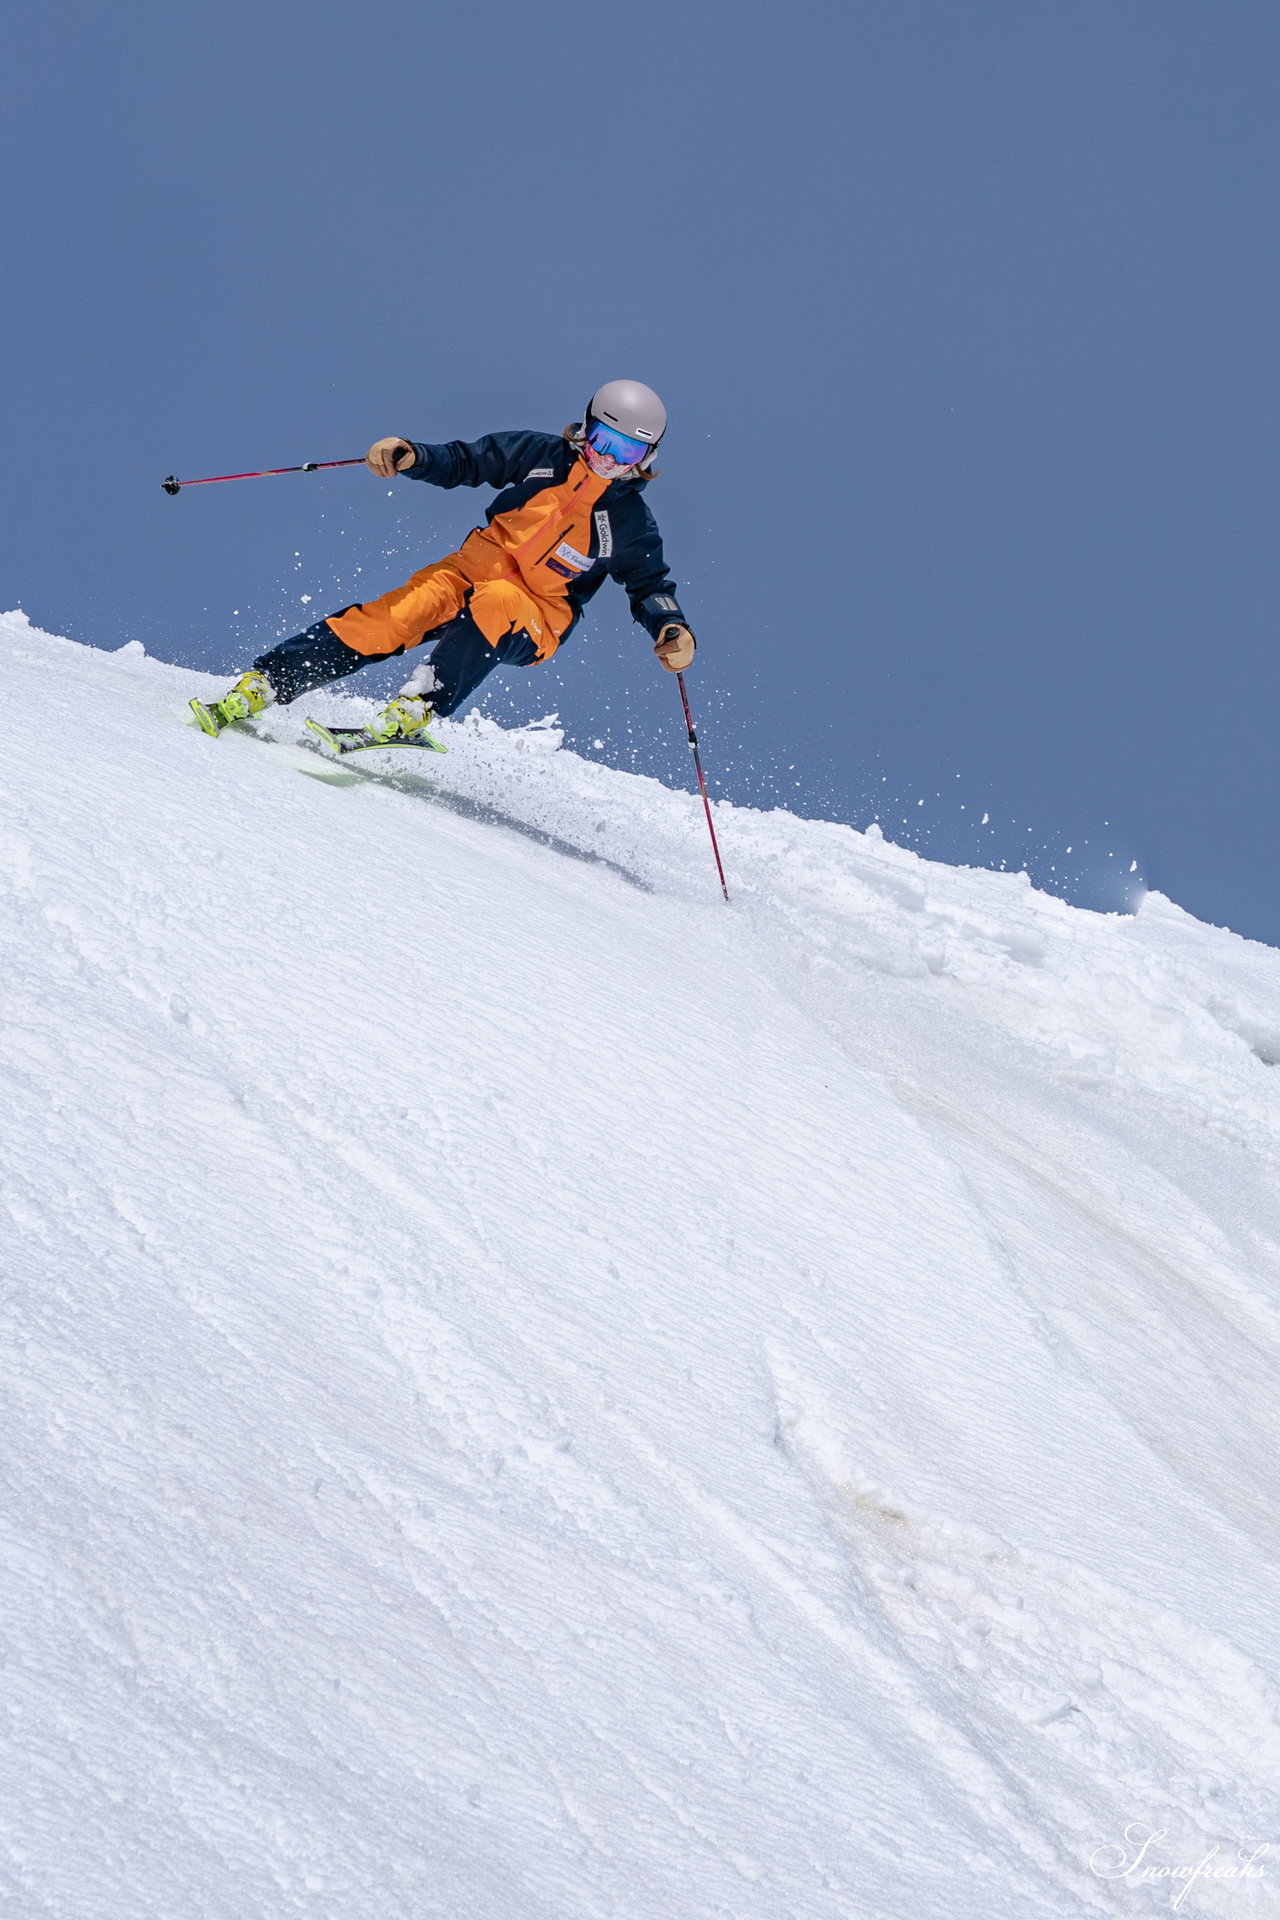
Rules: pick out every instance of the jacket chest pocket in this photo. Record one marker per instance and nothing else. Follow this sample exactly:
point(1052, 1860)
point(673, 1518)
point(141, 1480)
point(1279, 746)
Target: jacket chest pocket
point(566, 562)
point(560, 548)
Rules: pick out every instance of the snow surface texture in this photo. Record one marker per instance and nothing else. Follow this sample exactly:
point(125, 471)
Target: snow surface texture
point(533, 1394)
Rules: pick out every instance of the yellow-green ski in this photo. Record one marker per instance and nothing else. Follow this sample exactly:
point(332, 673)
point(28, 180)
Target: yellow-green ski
point(344, 740)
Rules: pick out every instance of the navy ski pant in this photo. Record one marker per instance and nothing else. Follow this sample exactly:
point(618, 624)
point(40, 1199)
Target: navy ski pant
point(460, 659)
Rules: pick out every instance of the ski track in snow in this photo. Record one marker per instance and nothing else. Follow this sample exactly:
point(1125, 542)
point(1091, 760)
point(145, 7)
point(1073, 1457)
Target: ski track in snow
point(531, 1394)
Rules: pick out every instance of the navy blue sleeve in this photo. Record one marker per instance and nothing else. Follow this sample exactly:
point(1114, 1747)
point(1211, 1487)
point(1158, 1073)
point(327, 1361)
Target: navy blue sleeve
point(640, 566)
point(494, 461)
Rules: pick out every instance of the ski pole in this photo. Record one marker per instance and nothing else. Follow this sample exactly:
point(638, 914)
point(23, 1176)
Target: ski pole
point(174, 485)
point(702, 785)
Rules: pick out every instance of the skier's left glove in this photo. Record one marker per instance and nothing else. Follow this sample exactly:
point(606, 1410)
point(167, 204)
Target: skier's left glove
point(674, 648)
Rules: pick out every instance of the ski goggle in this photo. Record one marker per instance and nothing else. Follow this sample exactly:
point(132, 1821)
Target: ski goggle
point(611, 444)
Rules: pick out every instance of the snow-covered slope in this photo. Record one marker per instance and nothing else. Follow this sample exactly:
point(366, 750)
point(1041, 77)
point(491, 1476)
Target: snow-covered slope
point(531, 1394)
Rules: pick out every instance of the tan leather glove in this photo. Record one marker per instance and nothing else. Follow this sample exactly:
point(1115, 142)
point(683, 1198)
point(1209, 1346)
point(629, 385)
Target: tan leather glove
point(390, 456)
point(674, 648)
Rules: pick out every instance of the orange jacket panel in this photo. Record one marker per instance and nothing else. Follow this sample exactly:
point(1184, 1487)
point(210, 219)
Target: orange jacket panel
point(517, 571)
point(548, 540)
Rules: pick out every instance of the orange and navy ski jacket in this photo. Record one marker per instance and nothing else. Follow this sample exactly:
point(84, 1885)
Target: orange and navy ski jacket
point(569, 531)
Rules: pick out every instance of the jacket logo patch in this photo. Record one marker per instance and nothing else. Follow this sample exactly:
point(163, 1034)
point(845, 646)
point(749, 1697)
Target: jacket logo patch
point(574, 561)
point(604, 533)
point(541, 473)
point(665, 603)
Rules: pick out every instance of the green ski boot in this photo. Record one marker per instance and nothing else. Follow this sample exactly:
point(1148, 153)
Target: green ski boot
point(251, 693)
point(401, 724)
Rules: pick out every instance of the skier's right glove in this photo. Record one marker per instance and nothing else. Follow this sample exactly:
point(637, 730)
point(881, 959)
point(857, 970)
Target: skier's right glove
point(674, 647)
point(389, 457)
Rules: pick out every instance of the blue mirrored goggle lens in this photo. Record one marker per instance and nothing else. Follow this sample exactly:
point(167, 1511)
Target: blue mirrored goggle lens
point(618, 446)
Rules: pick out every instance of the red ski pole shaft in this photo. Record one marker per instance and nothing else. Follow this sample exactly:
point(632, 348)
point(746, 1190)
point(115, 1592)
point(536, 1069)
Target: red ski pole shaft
point(702, 785)
point(174, 485)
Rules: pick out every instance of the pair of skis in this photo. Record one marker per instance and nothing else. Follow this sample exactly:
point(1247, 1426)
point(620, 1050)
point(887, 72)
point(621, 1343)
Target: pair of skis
point(336, 740)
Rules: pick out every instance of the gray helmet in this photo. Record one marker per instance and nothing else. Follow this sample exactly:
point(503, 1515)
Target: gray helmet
point(632, 408)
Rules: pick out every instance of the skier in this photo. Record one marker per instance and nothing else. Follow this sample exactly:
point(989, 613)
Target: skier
point(571, 511)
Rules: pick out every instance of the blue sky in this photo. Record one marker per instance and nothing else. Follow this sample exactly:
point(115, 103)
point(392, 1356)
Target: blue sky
point(965, 317)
